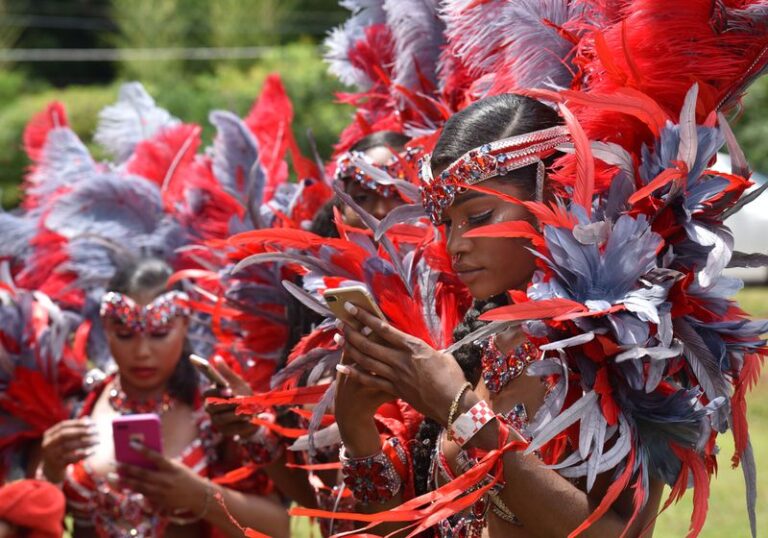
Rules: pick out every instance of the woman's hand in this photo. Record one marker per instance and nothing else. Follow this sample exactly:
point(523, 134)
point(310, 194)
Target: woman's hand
point(67, 442)
point(402, 365)
point(223, 416)
point(355, 405)
point(172, 486)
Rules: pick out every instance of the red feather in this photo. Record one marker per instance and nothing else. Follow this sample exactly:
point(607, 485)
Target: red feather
point(270, 122)
point(164, 159)
point(748, 377)
point(36, 131)
point(510, 229)
point(585, 164)
point(665, 177)
point(613, 492)
point(701, 477)
point(543, 213)
point(548, 308)
point(257, 402)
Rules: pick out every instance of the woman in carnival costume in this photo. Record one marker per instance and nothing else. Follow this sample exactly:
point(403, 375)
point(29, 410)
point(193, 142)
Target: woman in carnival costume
point(102, 240)
point(374, 174)
point(636, 357)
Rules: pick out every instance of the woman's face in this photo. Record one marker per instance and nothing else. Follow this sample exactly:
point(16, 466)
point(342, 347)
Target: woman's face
point(146, 360)
point(375, 204)
point(488, 266)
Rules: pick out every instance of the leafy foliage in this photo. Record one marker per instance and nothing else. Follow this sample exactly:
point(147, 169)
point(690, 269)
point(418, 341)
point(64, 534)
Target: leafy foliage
point(190, 98)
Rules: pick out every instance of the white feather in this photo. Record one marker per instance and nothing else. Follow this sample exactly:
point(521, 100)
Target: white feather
point(135, 117)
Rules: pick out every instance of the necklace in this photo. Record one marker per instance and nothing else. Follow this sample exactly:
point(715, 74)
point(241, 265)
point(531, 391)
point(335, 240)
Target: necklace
point(501, 368)
point(124, 405)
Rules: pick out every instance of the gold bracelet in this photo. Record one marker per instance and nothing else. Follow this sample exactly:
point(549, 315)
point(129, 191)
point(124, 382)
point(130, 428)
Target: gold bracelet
point(455, 407)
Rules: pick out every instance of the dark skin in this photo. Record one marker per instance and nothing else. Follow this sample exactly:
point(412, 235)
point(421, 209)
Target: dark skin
point(145, 366)
point(375, 204)
point(399, 365)
point(294, 482)
point(291, 482)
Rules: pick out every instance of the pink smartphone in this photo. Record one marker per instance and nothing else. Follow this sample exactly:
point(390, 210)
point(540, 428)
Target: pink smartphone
point(144, 428)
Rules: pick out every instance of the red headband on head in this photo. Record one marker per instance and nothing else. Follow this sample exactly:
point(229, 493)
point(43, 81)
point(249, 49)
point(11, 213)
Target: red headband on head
point(153, 318)
point(485, 162)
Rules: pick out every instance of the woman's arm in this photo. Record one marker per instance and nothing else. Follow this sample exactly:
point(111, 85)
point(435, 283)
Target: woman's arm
point(293, 483)
point(532, 491)
point(354, 408)
point(264, 514)
point(429, 379)
point(174, 486)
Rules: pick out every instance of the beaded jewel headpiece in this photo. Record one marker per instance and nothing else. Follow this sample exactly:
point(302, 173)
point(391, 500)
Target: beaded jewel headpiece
point(152, 318)
point(348, 167)
point(487, 161)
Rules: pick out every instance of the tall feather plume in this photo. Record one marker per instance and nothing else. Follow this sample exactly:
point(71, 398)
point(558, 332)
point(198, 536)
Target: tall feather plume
point(508, 46)
point(134, 118)
point(417, 31)
point(585, 164)
point(63, 162)
point(165, 158)
point(36, 131)
point(270, 120)
point(343, 39)
point(236, 162)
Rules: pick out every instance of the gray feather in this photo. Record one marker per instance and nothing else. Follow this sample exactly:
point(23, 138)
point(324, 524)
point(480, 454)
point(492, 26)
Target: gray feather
point(326, 437)
point(373, 223)
point(486, 331)
point(317, 414)
point(689, 141)
point(418, 34)
point(739, 164)
point(574, 413)
point(749, 469)
point(399, 215)
point(134, 118)
point(307, 300)
point(743, 259)
point(705, 366)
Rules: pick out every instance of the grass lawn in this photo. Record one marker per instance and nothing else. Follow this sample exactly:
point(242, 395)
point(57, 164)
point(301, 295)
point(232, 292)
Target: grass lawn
point(727, 515)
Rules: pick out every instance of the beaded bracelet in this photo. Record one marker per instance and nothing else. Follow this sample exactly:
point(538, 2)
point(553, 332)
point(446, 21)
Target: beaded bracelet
point(376, 478)
point(455, 407)
point(180, 517)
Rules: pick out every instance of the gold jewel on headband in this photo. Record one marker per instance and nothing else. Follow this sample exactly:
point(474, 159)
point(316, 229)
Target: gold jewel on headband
point(487, 161)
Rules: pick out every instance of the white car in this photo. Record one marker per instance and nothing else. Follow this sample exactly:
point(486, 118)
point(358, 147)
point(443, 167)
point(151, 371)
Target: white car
point(749, 226)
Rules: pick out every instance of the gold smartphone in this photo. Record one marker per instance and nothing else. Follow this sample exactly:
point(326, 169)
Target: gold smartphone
point(336, 298)
point(211, 373)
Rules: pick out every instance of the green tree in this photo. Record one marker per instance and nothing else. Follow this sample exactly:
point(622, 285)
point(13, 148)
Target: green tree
point(752, 126)
point(151, 24)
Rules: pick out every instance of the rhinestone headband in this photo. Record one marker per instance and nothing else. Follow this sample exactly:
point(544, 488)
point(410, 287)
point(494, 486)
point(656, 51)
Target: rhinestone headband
point(487, 161)
point(156, 317)
point(348, 168)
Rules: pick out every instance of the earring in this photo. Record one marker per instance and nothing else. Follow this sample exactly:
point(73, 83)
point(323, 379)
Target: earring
point(540, 175)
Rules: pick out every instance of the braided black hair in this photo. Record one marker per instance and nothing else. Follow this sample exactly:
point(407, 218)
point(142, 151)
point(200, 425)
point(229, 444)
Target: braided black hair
point(468, 357)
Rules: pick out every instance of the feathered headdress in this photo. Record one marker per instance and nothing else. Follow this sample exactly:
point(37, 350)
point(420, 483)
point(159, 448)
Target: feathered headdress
point(39, 371)
point(248, 308)
point(388, 50)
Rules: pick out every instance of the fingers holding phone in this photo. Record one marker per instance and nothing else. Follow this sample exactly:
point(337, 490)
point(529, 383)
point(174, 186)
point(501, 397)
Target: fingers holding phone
point(226, 383)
